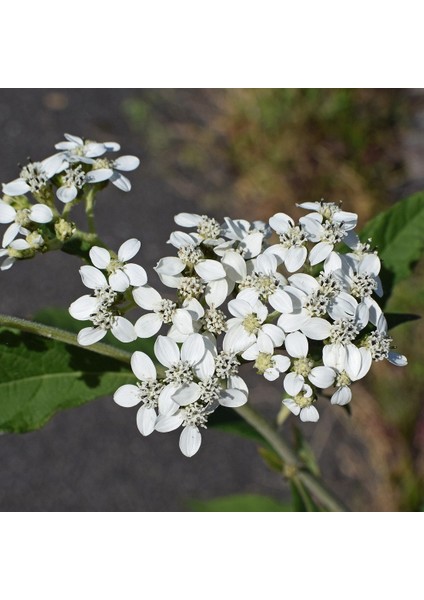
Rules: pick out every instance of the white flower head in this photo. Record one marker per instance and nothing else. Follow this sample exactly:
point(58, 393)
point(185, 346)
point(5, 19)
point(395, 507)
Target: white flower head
point(291, 251)
point(20, 220)
point(105, 169)
point(300, 400)
point(34, 177)
point(75, 149)
point(121, 274)
point(12, 253)
point(73, 180)
point(267, 363)
point(303, 367)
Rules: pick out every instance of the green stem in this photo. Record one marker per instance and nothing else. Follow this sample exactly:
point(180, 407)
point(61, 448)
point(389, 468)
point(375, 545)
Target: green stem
point(89, 209)
point(60, 335)
point(271, 435)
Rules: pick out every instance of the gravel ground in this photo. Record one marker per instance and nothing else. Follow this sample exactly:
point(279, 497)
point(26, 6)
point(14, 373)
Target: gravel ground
point(92, 458)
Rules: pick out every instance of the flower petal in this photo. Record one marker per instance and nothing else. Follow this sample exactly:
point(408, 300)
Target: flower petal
point(316, 328)
point(190, 440)
point(342, 396)
point(136, 274)
point(183, 321)
point(97, 175)
point(90, 335)
point(166, 351)
point(124, 330)
point(146, 420)
point(281, 301)
point(397, 359)
point(275, 333)
point(147, 297)
point(234, 265)
point(295, 258)
point(210, 270)
point(67, 193)
point(309, 414)
point(82, 308)
point(281, 222)
point(319, 253)
point(142, 366)
point(322, 377)
point(127, 396)
point(193, 349)
point(232, 398)
point(10, 234)
point(92, 277)
point(187, 219)
point(118, 281)
point(129, 249)
point(293, 383)
point(167, 423)
point(187, 394)
point(126, 163)
point(217, 291)
point(18, 187)
point(7, 212)
point(148, 325)
point(292, 406)
point(170, 265)
point(100, 257)
point(237, 339)
point(120, 181)
point(297, 344)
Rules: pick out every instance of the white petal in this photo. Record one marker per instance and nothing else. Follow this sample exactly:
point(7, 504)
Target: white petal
point(347, 219)
point(121, 182)
point(281, 222)
point(124, 330)
point(252, 353)
point(100, 257)
point(342, 396)
point(183, 321)
point(304, 282)
point(147, 297)
point(234, 265)
point(7, 263)
point(334, 355)
point(322, 377)
point(118, 281)
point(193, 349)
point(293, 322)
point(19, 244)
point(170, 280)
point(397, 359)
point(98, 175)
point(90, 335)
point(190, 440)
point(232, 398)
point(167, 423)
point(83, 307)
point(187, 219)
point(297, 344)
point(206, 367)
point(275, 333)
point(18, 187)
point(136, 274)
point(281, 301)
point(309, 413)
point(282, 363)
point(111, 146)
point(92, 277)
point(237, 383)
point(252, 244)
point(7, 212)
point(187, 394)
point(370, 264)
point(353, 361)
point(142, 366)
point(146, 420)
point(166, 404)
point(366, 363)
point(240, 308)
point(148, 325)
point(67, 193)
point(293, 383)
point(210, 270)
point(10, 234)
point(126, 163)
point(264, 344)
point(194, 307)
point(181, 238)
point(237, 339)
point(217, 291)
point(266, 264)
point(127, 396)
point(166, 351)
point(292, 406)
point(129, 249)
point(295, 258)
point(316, 328)
point(320, 252)
point(170, 265)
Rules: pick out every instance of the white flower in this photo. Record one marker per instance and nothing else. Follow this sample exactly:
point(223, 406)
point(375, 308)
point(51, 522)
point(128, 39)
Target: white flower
point(325, 233)
point(332, 212)
point(244, 237)
point(100, 309)
point(121, 275)
point(297, 346)
point(249, 323)
point(266, 363)
point(378, 345)
point(208, 228)
point(73, 180)
point(10, 259)
point(291, 251)
point(78, 150)
point(164, 311)
point(341, 353)
point(21, 219)
point(300, 400)
point(34, 177)
point(268, 283)
point(146, 391)
point(104, 169)
point(358, 364)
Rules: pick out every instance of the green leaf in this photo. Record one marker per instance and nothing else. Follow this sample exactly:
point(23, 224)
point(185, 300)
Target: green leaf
point(240, 503)
point(395, 319)
point(398, 234)
point(39, 377)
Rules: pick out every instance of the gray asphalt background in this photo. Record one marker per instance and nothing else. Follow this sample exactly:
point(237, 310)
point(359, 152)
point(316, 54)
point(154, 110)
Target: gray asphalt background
point(93, 458)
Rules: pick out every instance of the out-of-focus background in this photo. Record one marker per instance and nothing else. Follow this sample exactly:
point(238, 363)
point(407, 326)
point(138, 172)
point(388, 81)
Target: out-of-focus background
point(245, 153)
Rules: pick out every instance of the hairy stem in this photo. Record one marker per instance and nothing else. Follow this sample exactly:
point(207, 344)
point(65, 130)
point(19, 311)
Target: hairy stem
point(61, 335)
point(314, 485)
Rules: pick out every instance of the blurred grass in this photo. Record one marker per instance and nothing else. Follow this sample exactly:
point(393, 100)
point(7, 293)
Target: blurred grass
point(254, 152)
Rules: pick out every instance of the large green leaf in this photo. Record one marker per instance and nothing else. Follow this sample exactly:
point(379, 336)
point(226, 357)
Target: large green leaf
point(398, 233)
point(39, 377)
point(240, 503)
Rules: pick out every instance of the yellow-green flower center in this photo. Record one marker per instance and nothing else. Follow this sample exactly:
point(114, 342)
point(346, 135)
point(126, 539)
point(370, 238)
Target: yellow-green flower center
point(263, 362)
point(251, 323)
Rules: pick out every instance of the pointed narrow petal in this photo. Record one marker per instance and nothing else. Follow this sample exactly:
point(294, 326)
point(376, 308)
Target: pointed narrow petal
point(100, 257)
point(190, 440)
point(90, 335)
point(92, 277)
point(129, 249)
point(166, 351)
point(148, 325)
point(127, 396)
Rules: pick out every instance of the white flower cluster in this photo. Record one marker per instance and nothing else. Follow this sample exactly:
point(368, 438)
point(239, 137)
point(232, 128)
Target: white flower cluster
point(304, 307)
point(67, 175)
